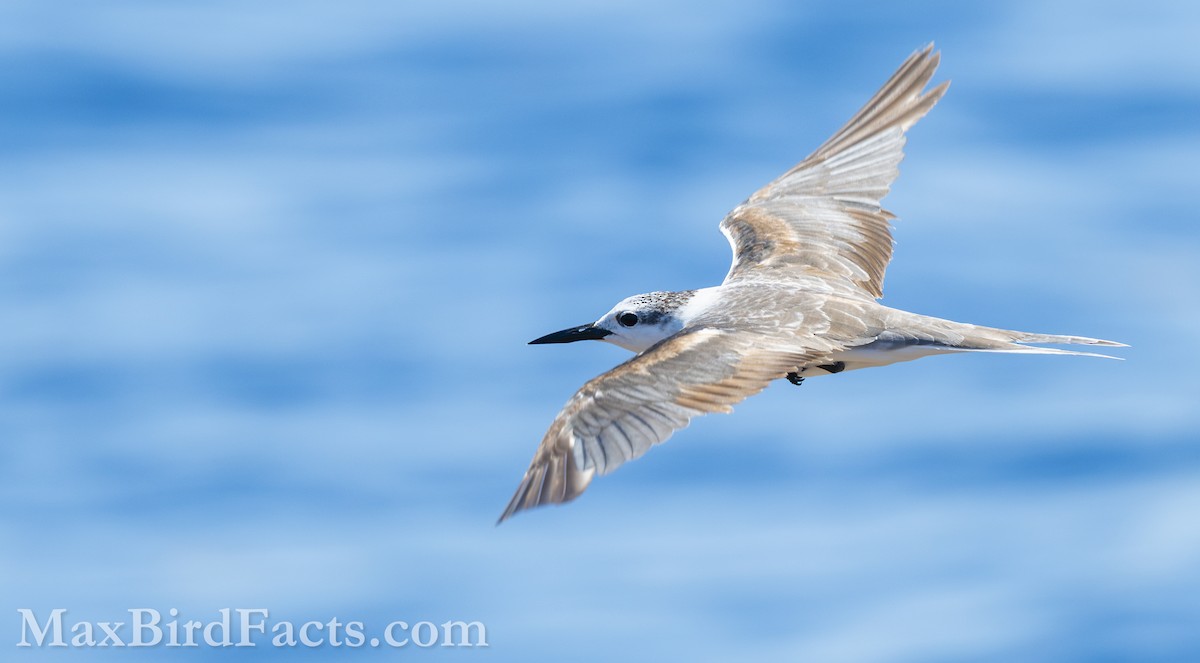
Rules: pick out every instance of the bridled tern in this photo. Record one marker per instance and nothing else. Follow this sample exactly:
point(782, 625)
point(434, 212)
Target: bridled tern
point(800, 300)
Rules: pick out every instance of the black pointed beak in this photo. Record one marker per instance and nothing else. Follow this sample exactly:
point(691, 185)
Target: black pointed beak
point(588, 332)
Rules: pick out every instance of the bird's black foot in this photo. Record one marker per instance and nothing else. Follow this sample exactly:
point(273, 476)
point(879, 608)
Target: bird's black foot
point(835, 367)
point(794, 378)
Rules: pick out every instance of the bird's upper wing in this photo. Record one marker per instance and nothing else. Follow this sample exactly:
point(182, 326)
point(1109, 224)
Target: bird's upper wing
point(617, 416)
point(822, 219)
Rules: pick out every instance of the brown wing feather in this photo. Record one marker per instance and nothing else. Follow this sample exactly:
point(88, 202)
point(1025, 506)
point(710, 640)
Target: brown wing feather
point(619, 415)
point(823, 218)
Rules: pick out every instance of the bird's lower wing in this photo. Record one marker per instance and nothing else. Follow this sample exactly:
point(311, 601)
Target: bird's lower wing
point(619, 415)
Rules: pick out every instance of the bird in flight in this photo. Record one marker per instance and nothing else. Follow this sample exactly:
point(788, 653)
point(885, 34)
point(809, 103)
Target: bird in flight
point(800, 300)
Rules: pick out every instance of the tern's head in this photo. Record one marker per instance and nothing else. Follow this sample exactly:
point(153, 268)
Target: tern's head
point(635, 323)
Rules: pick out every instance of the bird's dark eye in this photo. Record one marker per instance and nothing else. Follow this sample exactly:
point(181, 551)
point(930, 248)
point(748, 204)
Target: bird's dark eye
point(627, 319)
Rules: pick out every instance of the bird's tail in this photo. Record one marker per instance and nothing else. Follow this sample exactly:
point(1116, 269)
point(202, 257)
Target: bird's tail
point(962, 337)
point(990, 339)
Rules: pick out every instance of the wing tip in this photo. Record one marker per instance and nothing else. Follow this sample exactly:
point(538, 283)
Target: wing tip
point(553, 480)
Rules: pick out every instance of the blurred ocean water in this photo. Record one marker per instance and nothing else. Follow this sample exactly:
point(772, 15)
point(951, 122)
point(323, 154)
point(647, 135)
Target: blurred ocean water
point(267, 272)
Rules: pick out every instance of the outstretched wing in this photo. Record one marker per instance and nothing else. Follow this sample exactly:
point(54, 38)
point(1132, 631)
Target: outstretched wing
point(822, 219)
point(619, 415)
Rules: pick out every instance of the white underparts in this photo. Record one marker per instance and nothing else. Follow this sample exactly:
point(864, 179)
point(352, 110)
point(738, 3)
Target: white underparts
point(880, 353)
